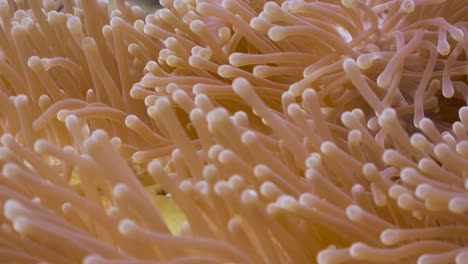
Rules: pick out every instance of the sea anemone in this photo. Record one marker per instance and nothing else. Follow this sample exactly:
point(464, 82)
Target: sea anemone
point(234, 131)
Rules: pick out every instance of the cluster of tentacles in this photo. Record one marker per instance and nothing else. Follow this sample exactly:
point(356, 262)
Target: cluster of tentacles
point(283, 131)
